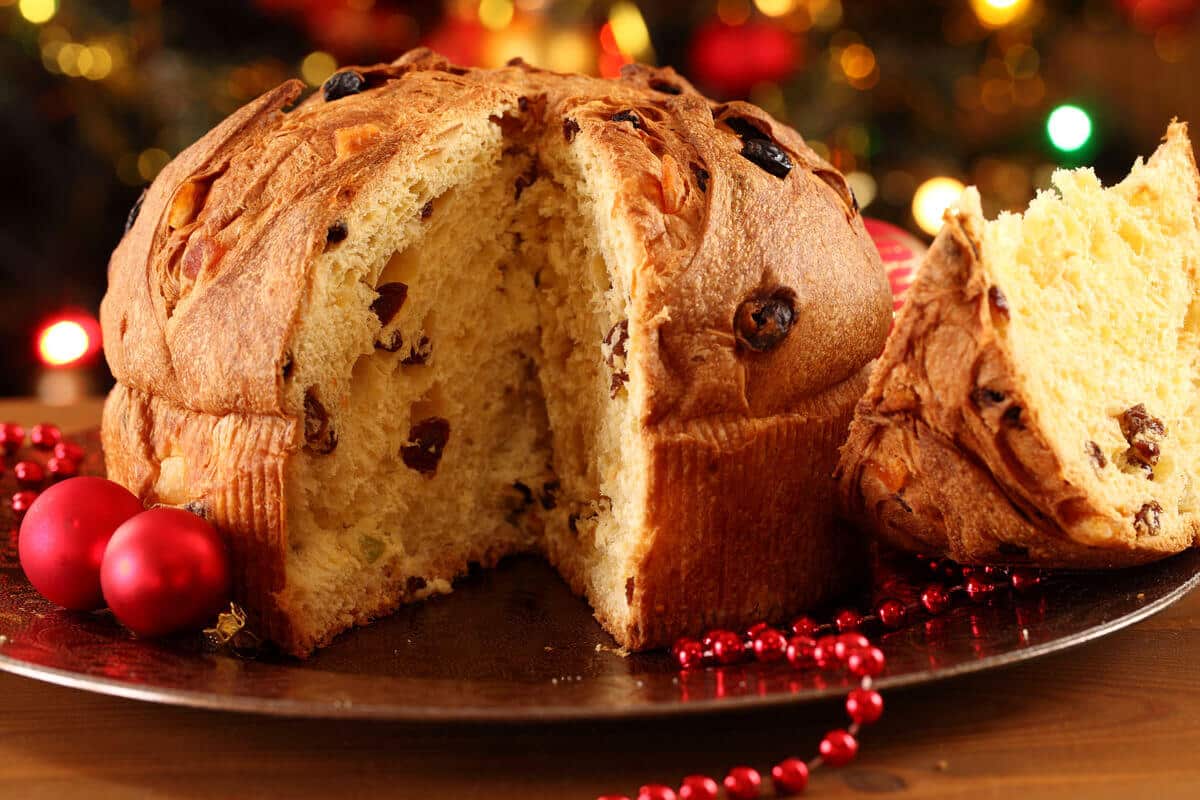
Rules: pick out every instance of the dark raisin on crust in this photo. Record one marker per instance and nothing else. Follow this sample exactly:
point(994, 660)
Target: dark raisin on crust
point(998, 301)
point(570, 128)
point(427, 210)
point(619, 379)
point(393, 343)
point(630, 585)
point(1143, 432)
point(426, 441)
point(337, 233)
point(523, 103)
point(414, 584)
point(319, 435)
point(762, 323)
point(1096, 455)
point(615, 341)
point(135, 211)
point(1012, 416)
point(389, 300)
point(285, 369)
point(628, 116)
point(1147, 520)
point(549, 489)
point(666, 87)
point(343, 84)
point(982, 396)
point(767, 155)
point(418, 353)
point(702, 176)
point(526, 493)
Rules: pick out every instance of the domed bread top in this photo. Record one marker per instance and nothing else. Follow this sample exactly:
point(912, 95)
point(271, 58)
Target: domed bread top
point(228, 232)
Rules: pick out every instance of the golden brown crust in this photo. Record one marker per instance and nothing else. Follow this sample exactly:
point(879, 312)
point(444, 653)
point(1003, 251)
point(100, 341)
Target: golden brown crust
point(206, 288)
point(946, 456)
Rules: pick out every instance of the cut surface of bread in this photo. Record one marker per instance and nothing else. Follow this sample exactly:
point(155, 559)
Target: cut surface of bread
point(463, 313)
point(1037, 401)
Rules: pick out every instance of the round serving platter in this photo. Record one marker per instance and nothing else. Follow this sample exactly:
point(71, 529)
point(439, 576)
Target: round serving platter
point(513, 644)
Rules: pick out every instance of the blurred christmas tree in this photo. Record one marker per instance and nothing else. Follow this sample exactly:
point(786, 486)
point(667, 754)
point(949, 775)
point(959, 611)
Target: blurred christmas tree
point(909, 98)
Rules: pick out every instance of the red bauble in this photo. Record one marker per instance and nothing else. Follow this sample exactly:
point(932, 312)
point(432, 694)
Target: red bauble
point(866, 662)
point(688, 653)
point(165, 570)
point(900, 252)
point(60, 468)
point(656, 791)
point(727, 647)
point(698, 787)
point(743, 783)
point(847, 620)
point(892, 614)
point(805, 626)
point(29, 474)
point(45, 436)
point(935, 598)
point(21, 501)
point(769, 645)
point(864, 706)
point(790, 776)
point(69, 450)
point(847, 643)
point(838, 748)
point(766, 53)
point(12, 437)
point(63, 536)
point(800, 651)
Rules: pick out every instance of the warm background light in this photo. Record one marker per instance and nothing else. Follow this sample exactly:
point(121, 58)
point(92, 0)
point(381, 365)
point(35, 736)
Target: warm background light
point(932, 199)
point(998, 13)
point(38, 11)
point(62, 343)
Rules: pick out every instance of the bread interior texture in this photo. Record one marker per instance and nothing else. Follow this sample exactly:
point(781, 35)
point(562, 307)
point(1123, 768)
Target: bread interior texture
point(473, 422)
point(1094, 293)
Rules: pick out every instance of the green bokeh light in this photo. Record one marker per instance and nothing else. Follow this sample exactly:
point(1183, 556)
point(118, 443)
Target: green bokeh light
point(1069, 128)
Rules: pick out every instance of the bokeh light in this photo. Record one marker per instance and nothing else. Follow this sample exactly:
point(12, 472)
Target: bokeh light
point(998, 13)
point(1069, 128)
point(62, 343)
point(931, 200)
point(316, 67)
point(38, 11)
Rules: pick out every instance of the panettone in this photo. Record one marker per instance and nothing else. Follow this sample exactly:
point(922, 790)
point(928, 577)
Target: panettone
point(431, 316)
point(1037, 401)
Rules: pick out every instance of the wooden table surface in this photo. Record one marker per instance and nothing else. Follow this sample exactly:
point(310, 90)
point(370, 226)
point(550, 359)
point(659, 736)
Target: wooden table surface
point(1118, 718)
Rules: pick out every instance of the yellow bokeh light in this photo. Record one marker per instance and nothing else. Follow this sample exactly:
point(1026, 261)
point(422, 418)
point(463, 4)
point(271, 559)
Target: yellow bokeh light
point(150, 162)
point(38, 11)
point(857, 61)
point(629, 29)
point(63, 343)
point(570, 51)
point(101, 63)
point(316, 67)
point(775, 8)
point(931, 200)
point(864, 187)
point(495, 14)
point(998, 13)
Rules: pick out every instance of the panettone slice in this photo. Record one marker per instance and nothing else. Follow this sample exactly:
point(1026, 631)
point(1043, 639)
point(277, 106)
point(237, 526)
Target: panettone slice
point(1037, 400)
point(435, 315)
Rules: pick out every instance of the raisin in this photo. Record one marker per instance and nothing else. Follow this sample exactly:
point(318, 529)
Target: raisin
point(982, 396)
point(570, 128)
point(343, 84)
point(702, 176)
point(761, 323)
point(135, 211)
point(426, 441)
point(526, 179)
point(768, 155)
point(285, 370)
point(526, 493)
point(1096, 455)
point(1147, 520)
point(615, 341)
point(337, 233)
point(1145, 451)
point(998, 301)
point(390, 300)
point(427, 210)
point(1012, 416)
point(523, 103)
point(549, 489)
point(319, 435)
point(394, 343)
point(414, 584)
point(419, 354)
point(628, 116)
point(515, 61)
point(1144, 432)
point(619, 379)
point(666, 87)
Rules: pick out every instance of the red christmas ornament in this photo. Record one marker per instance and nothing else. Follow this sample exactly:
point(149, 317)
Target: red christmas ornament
point(12, 437)
point(935, 599)
point(656, 791)
point(45, 436)
point(698, 787)
point(63, 536)
point(688, 653)
point(864, 706)
point(21, 501)
point(978, 589)
point(847, 620)
point(769, 645)
point(892, 614)
point(790, 776)
point(1023, 580)
point(847, 643)
point(743, 783)
point(29, 474)
point(68, 450)
point(165, 570)
point(800, 651)
point(838, 748)
point(766, 53)
point(805, 626)
point(60, 468)
point(825, 653)
point(727, 647)
point(901, 254)
point(867, 662)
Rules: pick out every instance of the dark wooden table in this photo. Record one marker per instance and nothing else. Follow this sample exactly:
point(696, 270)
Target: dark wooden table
point(1118, 718)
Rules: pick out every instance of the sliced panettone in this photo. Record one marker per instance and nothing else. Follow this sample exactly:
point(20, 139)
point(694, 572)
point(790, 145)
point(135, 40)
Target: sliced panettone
point(432, 316)
point(1037, 401)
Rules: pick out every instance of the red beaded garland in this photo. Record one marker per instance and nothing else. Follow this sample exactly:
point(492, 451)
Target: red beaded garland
point(60, 468)
point(756, 629)
point(769, 645)
point(847, 620)
point(656, 791)
point(29, 474)
point(790, 776)
point(12, 437)
point(838, 748)
point(688, 653)
point(65, 449)
point(892, 614)
point(727, 647)
point(864, 706)
point(21, 501)
point(825, 653)
point(977, 588)
point(935, 599)
point(867, 662)
point(847, 643)
point(743, 783)
point(1023, 580)
point(800, 651)
point(805, 626)
point(45, 436)
point(698, 787)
